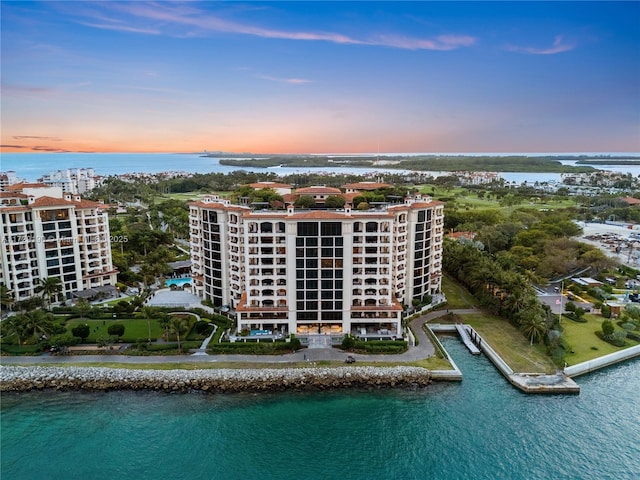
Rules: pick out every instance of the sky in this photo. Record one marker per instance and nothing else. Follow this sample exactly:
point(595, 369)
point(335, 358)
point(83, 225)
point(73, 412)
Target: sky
point(320, 77)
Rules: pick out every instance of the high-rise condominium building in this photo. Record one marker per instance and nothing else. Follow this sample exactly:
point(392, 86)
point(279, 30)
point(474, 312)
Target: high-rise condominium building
point(50, 234)
point(318, 271)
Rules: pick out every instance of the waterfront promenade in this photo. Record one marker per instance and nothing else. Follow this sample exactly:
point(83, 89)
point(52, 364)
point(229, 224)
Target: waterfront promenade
point(421, 348)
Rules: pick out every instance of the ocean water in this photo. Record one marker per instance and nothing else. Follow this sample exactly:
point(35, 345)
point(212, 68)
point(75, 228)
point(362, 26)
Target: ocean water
point(481, 428)
point(31, 166)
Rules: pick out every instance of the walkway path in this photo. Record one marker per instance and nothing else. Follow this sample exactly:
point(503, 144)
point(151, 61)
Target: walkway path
point(424, 349)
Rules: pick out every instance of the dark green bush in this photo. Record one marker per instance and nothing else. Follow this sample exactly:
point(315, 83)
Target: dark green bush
point(607, 327)
point(574, 318)
point(379, 346)
point(202, 328)
point(611, 339)
point(254, 348)
point(116, 329)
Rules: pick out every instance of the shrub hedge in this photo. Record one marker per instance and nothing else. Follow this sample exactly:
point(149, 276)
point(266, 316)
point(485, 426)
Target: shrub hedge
point(254, 348)
point(379, 346)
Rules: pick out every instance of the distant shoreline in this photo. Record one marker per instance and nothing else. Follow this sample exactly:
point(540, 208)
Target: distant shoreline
point(493, 163)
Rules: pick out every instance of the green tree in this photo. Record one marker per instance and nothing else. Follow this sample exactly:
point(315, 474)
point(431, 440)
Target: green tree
point(533, 325)
point(149, 313)
point(82, 308)
point(6, 297)
point(334, 201)
point(116, 329)
point(607, 327)
point(50, 287)
point(165, 323)
point(15, 325)
point(305, 201)
point(81, 331)
point(35, 324)
point(179, 326)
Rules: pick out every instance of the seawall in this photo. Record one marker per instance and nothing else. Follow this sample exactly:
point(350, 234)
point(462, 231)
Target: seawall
point(604, 361)
point(21, 379)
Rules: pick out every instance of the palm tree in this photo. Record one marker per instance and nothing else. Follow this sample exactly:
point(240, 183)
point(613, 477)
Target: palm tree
point(15, 325)
point(165, 323)
point(179, 327)
point(50, 286)
point(38, 323)
point(6, 297)
point(149, 313)
point(533, 324)
point(35, 323)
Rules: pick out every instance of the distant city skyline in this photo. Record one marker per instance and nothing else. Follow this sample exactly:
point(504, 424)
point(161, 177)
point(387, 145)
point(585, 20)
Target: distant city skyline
point(319, 77)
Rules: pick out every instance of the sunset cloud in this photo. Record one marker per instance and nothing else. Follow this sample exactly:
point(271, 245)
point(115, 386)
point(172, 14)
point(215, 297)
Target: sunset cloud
point(291, 81)
point(168, 19)
point(559, 46)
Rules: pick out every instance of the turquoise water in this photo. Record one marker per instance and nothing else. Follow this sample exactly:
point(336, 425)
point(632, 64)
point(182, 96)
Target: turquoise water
point(177, 281)
point(481, 428)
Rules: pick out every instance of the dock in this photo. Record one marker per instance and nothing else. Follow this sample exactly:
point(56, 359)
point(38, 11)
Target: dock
point(465, 336)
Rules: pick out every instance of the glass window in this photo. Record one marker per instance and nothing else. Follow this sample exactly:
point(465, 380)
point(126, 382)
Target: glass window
point(307, 229)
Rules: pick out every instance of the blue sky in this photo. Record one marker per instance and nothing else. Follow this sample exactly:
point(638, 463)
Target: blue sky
point(321, 76)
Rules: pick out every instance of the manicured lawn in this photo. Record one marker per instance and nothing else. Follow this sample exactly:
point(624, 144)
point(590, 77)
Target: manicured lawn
point(510, 344)
point(584, 343)
point(457, 295)
point(469, 198)
point(115, 301)
point(134, 328)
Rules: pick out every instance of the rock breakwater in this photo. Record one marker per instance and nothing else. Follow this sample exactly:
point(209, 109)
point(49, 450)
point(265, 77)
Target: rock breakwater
point(22, 379)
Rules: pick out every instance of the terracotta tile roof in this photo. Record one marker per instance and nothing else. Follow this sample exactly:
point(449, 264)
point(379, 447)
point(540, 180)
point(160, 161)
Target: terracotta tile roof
point(13, 208)
point(319, 214)
point(12, 195)
point(18, 187)
point(350, 196)
point(433, 203)
point(458, 235)
point(269, 185)
point(42, 202)
point(631, 201)
point(366, 185)
point(90, 204)
point(318, 190)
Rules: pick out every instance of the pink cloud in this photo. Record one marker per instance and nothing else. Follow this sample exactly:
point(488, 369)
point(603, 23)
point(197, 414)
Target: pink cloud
point(292, 81)
point(558, 46)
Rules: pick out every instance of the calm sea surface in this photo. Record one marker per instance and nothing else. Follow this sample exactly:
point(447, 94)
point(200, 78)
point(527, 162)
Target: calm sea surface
point(33, 165)
point(481, 428)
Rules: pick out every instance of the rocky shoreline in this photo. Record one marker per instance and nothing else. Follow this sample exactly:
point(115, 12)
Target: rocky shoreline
point(24, 379)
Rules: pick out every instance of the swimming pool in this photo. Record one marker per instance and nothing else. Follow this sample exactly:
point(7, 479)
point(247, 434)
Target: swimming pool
point(177, 281)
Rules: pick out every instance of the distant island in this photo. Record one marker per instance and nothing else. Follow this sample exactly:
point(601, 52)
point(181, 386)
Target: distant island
point(445, 163)
point(610, 161)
